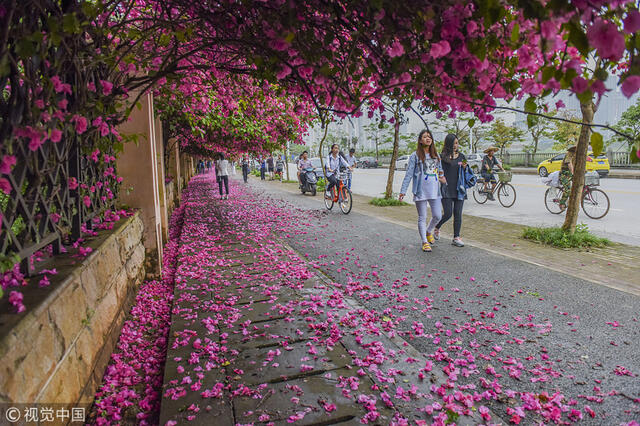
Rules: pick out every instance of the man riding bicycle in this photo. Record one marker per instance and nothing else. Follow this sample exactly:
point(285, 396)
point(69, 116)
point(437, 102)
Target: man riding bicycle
point(489, 161)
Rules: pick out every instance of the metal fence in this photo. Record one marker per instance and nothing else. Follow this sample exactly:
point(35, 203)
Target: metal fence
point(55, 192)
point(527, 159)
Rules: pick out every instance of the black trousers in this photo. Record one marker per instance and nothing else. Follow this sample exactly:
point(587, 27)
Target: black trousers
point(262, 174)
point(224, 179)
point(333, 181)
point(452, 206)
point(245, 173)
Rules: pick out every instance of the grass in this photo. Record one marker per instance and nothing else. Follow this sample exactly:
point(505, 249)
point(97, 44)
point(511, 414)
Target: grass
point(387, 202)
point(289, 181)
point(556, 237)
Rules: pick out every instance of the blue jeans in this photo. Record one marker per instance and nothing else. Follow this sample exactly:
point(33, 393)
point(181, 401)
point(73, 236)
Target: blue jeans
point(349, 181)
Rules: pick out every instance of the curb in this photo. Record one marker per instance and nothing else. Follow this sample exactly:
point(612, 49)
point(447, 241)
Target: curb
point(613, 174)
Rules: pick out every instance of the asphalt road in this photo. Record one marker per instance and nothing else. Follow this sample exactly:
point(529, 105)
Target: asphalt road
point(618, 225)
point(540, 330)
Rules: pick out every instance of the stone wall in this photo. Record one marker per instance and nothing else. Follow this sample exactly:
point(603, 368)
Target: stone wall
point(56, 352)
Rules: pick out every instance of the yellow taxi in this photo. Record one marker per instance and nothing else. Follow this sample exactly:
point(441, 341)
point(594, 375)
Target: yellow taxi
point(599, 164)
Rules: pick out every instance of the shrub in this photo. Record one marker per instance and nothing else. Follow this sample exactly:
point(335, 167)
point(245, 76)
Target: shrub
point(321, 184)
point(506, 167)
point(387, 202)
point(555, 236)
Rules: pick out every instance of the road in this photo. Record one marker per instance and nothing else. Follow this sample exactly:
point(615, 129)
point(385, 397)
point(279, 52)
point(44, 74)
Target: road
point(524, 327)
point(529, 209)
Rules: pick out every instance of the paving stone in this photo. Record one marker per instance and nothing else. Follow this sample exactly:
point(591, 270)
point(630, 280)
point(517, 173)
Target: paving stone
point(262, 365)
point(314, 393)
point(274, 333)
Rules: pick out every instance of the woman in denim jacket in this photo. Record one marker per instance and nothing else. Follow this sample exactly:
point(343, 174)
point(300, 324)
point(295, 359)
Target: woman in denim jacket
point(425, 170)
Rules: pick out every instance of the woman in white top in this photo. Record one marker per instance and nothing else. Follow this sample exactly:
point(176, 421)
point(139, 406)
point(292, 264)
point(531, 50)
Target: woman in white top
point(425, 170)
point(222, 167)
point(332, 166)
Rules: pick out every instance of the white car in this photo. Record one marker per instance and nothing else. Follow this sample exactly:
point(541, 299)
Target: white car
point(475, 161)
point(402, 162)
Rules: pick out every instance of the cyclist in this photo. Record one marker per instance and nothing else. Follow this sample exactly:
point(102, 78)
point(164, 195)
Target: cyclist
point(332, 165)
point(566, 174)
point(489, 161)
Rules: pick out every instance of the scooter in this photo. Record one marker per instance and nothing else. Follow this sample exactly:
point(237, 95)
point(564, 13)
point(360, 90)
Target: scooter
point(311, 181)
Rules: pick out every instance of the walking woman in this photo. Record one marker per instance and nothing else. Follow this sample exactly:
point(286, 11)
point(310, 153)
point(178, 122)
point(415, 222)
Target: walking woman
point(454, 191)
point(425, 170)
point(222, 166)
point(245, 168)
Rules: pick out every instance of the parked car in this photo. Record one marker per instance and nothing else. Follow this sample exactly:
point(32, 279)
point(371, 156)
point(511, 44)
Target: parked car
point(475, 161)
point(402, 162)
point(598, 164)
point(367, 163)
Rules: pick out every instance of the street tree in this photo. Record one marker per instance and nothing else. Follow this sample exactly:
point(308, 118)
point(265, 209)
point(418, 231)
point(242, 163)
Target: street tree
point(565, 133)
point(629, 124)
point(379, 132)
point(541, 128)
point(503, 136)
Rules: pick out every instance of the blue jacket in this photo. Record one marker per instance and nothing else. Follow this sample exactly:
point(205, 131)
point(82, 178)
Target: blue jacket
point(466, 179)
point(415, 173)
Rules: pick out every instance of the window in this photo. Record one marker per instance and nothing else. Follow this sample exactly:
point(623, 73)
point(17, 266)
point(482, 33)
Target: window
point(559, 157)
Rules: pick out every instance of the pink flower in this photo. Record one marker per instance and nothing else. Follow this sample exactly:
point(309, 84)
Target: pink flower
point(579, 84)
point(396, 49)
point(39, 103)
point(86, 200)
point(56, 135)
point(73, 183)
point(63, 104)
point(606, 39)
point(440, 49)
point(81, 124)
point(91, 86)
point(285, 71)
point(5, 186)
point(305, 72)
point(632, 22)
point(7, 163)
point(560, 104)
point(106, 87)
point(630, 85)
point(15, 299)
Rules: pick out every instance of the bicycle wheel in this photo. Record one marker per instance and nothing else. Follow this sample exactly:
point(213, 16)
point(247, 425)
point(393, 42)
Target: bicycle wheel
point(595, 203)
point(552, 200)
point(506, 195)
point(346, 201)
point(480, 197)
point(328, 202)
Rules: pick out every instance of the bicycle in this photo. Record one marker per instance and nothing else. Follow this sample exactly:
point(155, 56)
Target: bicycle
point(340, 194)
point(506, 192)
point(595, 202)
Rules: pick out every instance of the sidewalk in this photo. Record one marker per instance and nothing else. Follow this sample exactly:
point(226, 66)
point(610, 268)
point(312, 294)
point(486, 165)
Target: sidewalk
point(259, 337)
point(613, 173)
point(616, 266)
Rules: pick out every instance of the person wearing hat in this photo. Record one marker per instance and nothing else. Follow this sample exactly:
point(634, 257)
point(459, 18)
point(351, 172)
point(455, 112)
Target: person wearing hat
point(489, 161)
point(566, 175)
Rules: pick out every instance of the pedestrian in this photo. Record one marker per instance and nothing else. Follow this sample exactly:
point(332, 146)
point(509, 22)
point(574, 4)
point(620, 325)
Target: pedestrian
point(279, 167)
point(424, 169)
point(222, 174)
point(263, 168)
point(245, 169)
point(454, 192)
point(208, 165)
point(332, 164)
point(233, 168)
point(270, 166)
point(566, 175)
point(353, 161)
point(200, 167)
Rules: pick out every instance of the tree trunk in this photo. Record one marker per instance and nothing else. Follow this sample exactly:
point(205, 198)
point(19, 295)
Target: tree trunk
point(324, 136)
point(388, 193)
point(573, 206)
point(377, 157)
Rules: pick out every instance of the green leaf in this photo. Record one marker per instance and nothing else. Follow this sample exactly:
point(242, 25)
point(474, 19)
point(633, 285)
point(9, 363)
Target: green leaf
point(601, 74)
point(547, 73)
point(532, 120)
point(515, 33)
point(471, 122)
point(530, 105)
point(70, 24)
point(633, 155)
point(586, 96)
point(578, 38)
point(597, 143)
point(139, 105)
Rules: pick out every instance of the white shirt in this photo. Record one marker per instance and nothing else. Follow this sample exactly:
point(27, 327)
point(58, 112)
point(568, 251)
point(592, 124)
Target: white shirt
point(221, 167)
point(351, 159)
